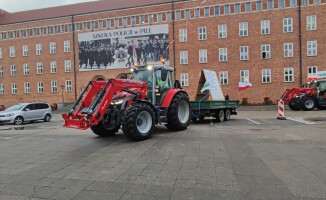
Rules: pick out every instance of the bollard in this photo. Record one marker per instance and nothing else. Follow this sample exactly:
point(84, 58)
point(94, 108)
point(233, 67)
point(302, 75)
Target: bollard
point(281, 110)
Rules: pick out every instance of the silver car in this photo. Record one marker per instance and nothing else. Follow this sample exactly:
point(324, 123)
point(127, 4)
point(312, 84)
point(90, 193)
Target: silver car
point(23, 112)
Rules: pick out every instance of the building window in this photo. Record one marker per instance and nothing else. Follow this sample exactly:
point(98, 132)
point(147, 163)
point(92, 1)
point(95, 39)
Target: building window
point(183, 35)
point(222, 31)
point(243, 29)
point(52, 47)
point(8, 35)
point(312, 48)
point(187, 14)
point(183, 57)
point(67, 66)
point(293, 3)
point(270, 4)
point(1, 71)
point(84, 25)
point(287, 25)
point(67, 46)
point(288, 74)
point(312, 71)
point(203, 56)
point(27, 89)
point(40, 87)
point(34, 31)
point(216, 10)
point(133, 20)
point(55, 29)
point(311, 23)
point(39, 68)
point(305, 2)
point(244, 55)
point(25, 50)
point(237, 8)
point(70, 27)
point(13, 88)
point(266, 75)
point(265, 27)
point(2, 36)
point(202, 33)
point(100, 24)
point(197, 12)
point(177, 15)
point(26, 69)
point(54, 86)
point(142, 19)
point(108, 22)
point(168, 16)
point(259, 6)
point(1, 52)
point(68, 85)
point(266, 51)
point(244, 76)
point(13, 70)
point(288, 50)
point(53, 67)
point(316, 1)
point(28, 32)
point(14, 34)
point(42, 31)
point(38, 49)
point(21, 33)
point(224, 78)
point(206, 12)
point(248, 6)
point(77, 26)
point(125, 21)
point(227, 9)
point(92, 25)
point(159, 17)
point(223, 54)
point(12, 50)
point(62, 28)
point(2, 89)
point(48, 30)
point(116, 22)
point(184, 79)
point(281, 3)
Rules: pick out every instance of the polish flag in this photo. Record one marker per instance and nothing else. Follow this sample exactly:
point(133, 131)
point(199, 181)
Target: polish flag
point(244, 85)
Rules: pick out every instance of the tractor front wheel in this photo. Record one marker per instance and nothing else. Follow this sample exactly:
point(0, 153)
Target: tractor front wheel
point(293, 105)
point(309, 103)
point(179, 112)
point(138, 122)
point(101, 131)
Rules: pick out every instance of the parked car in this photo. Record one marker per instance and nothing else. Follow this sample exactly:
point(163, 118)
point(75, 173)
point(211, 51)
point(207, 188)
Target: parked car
point(24, 112)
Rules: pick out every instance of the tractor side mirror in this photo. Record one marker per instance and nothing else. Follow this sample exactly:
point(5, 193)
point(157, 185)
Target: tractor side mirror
point(164, 74)
point(123, 76)
point(177, 84)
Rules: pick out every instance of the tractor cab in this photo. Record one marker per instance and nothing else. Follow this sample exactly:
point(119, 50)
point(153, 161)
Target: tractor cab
point(158, 79)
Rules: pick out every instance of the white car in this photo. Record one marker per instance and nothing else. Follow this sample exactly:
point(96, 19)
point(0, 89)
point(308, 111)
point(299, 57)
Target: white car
point(23, 112)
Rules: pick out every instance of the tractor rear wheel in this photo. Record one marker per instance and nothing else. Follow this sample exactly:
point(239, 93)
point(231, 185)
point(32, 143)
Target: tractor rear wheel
point(101, 131)
point(308, 104)
point(293, 105)
point(138, 122)
point(179, 112)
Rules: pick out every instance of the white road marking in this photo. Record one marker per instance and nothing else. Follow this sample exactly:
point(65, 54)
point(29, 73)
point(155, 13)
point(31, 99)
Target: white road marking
point(301, 121)
point(252, 121)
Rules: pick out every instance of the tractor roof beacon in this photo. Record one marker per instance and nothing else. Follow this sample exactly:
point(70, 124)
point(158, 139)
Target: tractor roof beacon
point(135, 105)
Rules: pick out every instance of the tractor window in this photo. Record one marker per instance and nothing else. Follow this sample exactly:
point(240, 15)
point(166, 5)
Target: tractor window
point(163, 84)
point(322, 86)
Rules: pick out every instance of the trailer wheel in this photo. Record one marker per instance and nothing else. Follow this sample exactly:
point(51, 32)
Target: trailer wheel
point(227, 116)
point(179, 112)
point(101, 131)
point(220, 115)
point(138, 122)
point(308, 103)
point(293, 105)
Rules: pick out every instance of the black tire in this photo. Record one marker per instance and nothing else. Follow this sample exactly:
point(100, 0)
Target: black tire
point(47, 118)
point(220, 115)
point(193, 119)
point(227, 115)
point(134, 119)
point(308, 103)
point(178, 122)
point(293, 105)
point(19, 120)
point(201, 118)
point(101, 131)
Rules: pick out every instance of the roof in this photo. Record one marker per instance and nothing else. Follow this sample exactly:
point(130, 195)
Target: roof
point(75, 9)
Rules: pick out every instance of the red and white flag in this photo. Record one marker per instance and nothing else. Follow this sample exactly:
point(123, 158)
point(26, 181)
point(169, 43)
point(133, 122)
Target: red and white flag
point(244, 85)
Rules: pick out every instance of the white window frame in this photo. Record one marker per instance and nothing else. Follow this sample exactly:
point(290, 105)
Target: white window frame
point(54, 86)
point(222, 31)
point(125, 20)
point(27, 88)
point(142, 19)
point(243, 29)
point(117, 22)
point(108, 23)
point(2, 89)
point(67, 46)
point(248, 7)
point(183, 57)
point(287, 25)
point(39, 68)
point(177, 14)
point(311, 23)
point(244, 76)
point(1, 53)
point(187, 14)
point(12, 50)
point(100, 24)
point(159, 17)
point(68, 85)
point(265, 27)
point(281, 3)
point(40, 87)
point(13, 70)
point(288, 75)
point(244, 53)
point(312, 48)
point(26, 69)
point(52, 47)
point(25, 50)
point(184, 79)
point(224, 77)
point(223, 54)
point(266, 48)
point(183, 35)
point(202, 55)
point(38, 49)
point(197, 12)
point(207, 11)
point(202, 31)
point(312, 71)
point(14, 88)
point(67, 65)
point(1, 71)
point(288, 50)
point(53, 67)
point(266, 75)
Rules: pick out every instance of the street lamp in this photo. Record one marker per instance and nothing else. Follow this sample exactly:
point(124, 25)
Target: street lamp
point(62, 87)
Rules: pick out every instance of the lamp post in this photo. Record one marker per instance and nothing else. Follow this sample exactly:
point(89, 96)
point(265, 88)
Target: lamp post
point(62, 87)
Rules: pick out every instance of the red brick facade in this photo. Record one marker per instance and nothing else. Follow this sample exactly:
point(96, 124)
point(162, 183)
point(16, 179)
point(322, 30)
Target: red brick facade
point(256, 94)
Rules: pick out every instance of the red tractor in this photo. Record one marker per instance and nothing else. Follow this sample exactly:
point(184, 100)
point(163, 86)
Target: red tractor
point(136, 105)
point(306, 98)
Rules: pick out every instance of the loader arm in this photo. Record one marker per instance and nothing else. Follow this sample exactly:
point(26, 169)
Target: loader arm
point(98, 99)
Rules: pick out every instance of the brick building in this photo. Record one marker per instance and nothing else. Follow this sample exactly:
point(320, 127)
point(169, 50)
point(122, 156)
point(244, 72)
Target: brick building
point(253, 41)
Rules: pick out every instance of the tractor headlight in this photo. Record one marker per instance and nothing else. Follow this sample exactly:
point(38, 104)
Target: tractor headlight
point(10, 115)
point(117, 102)
point(149, 67)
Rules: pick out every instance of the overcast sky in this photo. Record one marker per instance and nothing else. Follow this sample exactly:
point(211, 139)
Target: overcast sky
point(21, 5)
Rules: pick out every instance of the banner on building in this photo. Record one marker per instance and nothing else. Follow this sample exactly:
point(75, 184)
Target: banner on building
point(122, 48)
point(317, 76)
